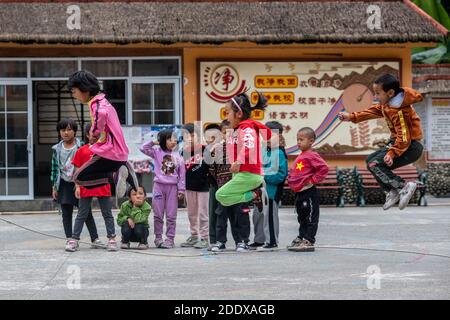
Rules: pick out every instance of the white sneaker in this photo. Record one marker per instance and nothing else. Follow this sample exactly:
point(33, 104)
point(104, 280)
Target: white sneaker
point(242, 247)
point(71, 245)
point(112, 245)
point(121, 185)
point(391, 199)
point(406, 194)
point(97, 244)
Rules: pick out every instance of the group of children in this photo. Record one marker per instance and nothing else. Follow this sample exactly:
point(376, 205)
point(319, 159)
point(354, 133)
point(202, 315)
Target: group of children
point(243, 164)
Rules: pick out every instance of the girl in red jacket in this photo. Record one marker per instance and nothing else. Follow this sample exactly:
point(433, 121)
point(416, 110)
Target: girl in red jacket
point(244, 154)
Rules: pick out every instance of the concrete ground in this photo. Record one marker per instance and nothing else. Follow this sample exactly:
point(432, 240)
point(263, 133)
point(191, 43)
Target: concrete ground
point(37, 267)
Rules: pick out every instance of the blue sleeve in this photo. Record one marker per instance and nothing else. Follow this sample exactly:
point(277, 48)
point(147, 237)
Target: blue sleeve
point(281, 174)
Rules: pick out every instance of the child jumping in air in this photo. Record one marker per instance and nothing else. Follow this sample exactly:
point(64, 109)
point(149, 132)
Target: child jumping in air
point(244, 151)
point(307, 170)
point(404, 147)
point(63, 187)
point(169, 185)
point(133, 219)
point(110, 151)
point(85, 196)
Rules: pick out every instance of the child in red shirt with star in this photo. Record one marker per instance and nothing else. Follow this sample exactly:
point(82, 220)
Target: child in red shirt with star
point(308, 169)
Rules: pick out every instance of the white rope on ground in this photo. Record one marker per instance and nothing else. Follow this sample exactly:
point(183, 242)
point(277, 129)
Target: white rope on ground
point(229, 252)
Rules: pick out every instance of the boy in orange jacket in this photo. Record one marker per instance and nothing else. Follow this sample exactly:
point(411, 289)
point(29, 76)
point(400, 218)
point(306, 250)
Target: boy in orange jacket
point(404, 147)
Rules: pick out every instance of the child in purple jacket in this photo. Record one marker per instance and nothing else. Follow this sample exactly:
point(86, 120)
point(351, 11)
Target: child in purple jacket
point(169, 184)
point(110, 151)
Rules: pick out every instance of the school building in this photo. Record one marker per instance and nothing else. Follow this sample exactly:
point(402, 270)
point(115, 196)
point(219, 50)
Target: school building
point(172, 62)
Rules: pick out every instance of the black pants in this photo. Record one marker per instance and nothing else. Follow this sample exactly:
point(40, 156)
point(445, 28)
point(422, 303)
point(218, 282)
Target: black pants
point(138, 234)
point(383, 174)
point(67, 213)
point(307, 205)
point(212, 214)
point(238, 215)
point(85, 209)
point(98, 171)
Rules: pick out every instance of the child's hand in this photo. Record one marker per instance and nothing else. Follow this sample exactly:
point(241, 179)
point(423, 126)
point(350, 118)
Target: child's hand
point(344, 116)
point(388, 160)
point(235, 167)
point(131, 223)
point(77, 192)
point(180, 195)
point(54, 194)
point(156, 142)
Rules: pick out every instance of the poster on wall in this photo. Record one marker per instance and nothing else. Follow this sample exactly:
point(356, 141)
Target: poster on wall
point(135, 137)
point(302, 94)
point(438, 138)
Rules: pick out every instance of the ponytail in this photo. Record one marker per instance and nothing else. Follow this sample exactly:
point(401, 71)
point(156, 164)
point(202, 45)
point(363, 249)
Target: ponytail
point(241, 102)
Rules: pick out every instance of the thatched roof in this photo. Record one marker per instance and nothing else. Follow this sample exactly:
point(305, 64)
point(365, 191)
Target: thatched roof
point(216, 22)
point(432, 78)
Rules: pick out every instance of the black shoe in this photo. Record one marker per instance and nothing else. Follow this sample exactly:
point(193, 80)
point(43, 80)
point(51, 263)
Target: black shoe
point(255, 245)
point(268, 247)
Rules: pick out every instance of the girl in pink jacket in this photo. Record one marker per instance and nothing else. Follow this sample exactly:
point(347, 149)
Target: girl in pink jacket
point(109, 162)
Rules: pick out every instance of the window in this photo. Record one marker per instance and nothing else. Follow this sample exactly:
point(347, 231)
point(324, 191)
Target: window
point(153, 103)
point(13, 69)
point(56, 68)
point(106, 68)
point(155, 68)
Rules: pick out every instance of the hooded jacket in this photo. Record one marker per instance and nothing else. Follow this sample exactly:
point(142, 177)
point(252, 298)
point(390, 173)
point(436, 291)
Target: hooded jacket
point(244, 146)
point(106, 125)
point(401, 119)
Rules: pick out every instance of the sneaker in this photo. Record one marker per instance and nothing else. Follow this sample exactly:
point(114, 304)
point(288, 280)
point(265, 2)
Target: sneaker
point(218, 247)
point(121, 184)
point(142, 246)
point(112, 245)
point(242, 247)
point(158, 242)
point(167, 245)
point(406, 194)
point(97, 244)
point(391, 199)
point(255, 245)
point(190, 242)
point(295, 243)
point(305, 246)
point(201, 244)
point(267, 247)
point(132, 175)
point(125, 245)
point(71, 245)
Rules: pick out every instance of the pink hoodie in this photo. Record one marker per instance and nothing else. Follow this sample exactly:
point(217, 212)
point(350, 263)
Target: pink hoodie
point(106, 125)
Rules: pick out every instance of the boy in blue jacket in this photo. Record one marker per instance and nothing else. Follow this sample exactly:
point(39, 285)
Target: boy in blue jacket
point(275, 166)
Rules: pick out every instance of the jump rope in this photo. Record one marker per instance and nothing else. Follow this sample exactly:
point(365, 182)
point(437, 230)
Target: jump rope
point(211, 253)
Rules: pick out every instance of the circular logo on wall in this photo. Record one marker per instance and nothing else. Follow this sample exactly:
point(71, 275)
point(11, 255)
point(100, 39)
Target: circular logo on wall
point(222, 82)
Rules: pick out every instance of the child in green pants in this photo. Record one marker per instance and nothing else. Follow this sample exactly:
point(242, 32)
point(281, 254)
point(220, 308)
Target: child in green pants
point(244, 154)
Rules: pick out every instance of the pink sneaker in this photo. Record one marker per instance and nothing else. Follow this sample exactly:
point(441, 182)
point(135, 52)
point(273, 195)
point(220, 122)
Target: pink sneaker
point(112, 245)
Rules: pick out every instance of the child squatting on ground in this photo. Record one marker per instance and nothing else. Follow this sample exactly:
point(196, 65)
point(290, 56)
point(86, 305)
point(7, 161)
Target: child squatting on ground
point(307, 170)
point(404, 146)
point(133, 219)
point(169, 185)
